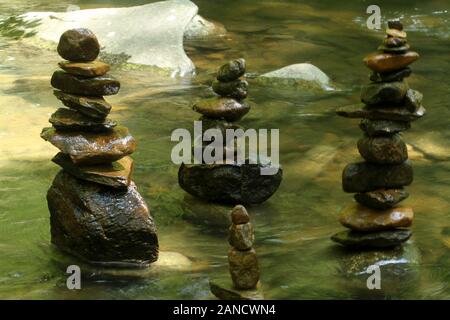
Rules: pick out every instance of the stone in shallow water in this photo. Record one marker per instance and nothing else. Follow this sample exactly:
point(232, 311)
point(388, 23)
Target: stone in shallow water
point(396, 33)
point(360, 218)
point(393, 42)
point(381, 199)
point(221, 108)
point(413, 100)
point(116, 174)
point(244, 268)
point(395, 24)
point(224, 290)
point(383, 149)
point(94, 107)
point(388, 62)
point(401, 49)
point(79, 45)
point(232, 70)
point(239, 215)
point(97, 86)
point(395, 113)
point(85, 69)
point(229, 183)
point(90, 148)
point(70, 120)
point(397, 75)
point(241, 236)
point(363, 176)
point(379, 93)
point(379, 239)
point(383, 127)
point(100, 224)
point(237, 89)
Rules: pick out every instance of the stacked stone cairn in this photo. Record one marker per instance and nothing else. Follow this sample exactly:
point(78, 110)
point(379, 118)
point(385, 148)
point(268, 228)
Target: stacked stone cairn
point(376, 220)
point(242, 260)
point(96, 212)
point(227, 182)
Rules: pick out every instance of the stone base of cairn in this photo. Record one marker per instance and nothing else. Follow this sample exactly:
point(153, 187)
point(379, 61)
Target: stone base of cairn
point(96, 212)
point(227, 183)
point(242, 260)
point(390, 106)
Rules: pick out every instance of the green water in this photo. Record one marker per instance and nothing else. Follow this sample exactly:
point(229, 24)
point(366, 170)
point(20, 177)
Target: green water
point(297, 259)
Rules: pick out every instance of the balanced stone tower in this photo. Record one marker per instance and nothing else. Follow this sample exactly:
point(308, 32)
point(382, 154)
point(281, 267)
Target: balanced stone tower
point(376, 220)
point(96, 212)
point(242, 260)
point(228, 182)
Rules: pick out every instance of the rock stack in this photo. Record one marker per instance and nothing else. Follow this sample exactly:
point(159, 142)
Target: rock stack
point(230, 182)
point(96, 212)
point(389, 107)
point(242, 260)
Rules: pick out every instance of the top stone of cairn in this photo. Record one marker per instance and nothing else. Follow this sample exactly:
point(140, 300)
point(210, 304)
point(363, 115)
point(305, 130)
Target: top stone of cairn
point(79, 45)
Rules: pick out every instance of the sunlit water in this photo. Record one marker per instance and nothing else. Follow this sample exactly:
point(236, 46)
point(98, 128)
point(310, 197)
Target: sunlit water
point(297, 259)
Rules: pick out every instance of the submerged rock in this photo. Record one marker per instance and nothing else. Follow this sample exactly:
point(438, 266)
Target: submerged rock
point(85, 69)
point(94, 107)
point(91, 148)
point(198, 211)
point(228, 183)
point(100, 224)
point(97, 86)
point(379, 239)
point(301, 73)
point(80, 45)
point(153, 36)
point(116, 174)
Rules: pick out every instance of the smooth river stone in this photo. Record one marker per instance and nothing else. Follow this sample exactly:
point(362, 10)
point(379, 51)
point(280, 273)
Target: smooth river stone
point(239, 215)
point(360, 218)
point(395, 113)
point(94, 107)
point(80, 45)
point(387, 62)
point(383, 127)
point(221, 108)
point(70, 120)
point(392, 32)
point(241, 236)
point(413, 100)
point(392, 42)
point(244, 268)
point(395, 24)
point(397, 75)
point(387, 49)
point(224, 290)
point(363, 176)
point(379, 93)
point(90, 148)
point(116, 174)
point(85, 69)
point(380, 239)
point(381, 199)
point(237, 89)
point(231, 70)
point(383, 150)
point(100, 224)
point(229, 183)
point(97, 86)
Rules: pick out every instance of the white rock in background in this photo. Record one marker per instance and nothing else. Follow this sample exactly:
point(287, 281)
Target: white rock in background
point(296, 74)
point(200, 28)
point(150, 34)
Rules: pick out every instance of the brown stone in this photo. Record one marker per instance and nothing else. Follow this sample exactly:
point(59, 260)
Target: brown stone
point(116, 174)
point(241, 236)
point(396, 33)
point(395, 113)
point(237, 89)
point(97, 86)
point(222, 108)
point(79, 45)
point(90, 148)
point(381, 199)
point(85, 69)
point(383, 149)
point(244, 268)
point(94, 107)
point(70, 120)
point(100, 224)
point(239, 215)
point(392, 42)
point(387, 62)
point(395, 24)
point(360, 218)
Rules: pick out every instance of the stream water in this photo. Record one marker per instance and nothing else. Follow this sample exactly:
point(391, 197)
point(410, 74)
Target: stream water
point(297, 258)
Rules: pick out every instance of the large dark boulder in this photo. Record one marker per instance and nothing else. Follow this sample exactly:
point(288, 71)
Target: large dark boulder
point(229, 183)
point(101, 225)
